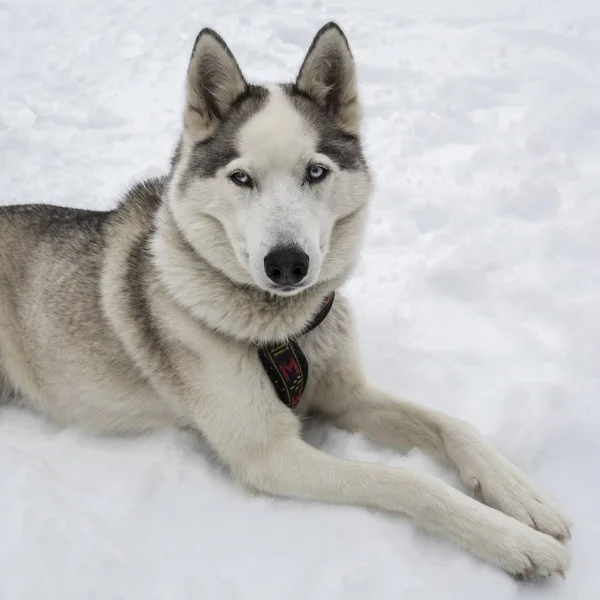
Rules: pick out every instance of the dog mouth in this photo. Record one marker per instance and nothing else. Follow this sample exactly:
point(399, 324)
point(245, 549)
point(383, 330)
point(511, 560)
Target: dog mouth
point(287, 290)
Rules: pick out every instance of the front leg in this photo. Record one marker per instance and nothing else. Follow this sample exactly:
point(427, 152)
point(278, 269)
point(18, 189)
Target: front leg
point(487, 474)
point(258, 437)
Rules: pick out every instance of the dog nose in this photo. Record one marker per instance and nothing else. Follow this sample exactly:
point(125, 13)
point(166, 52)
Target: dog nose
point(286, 266)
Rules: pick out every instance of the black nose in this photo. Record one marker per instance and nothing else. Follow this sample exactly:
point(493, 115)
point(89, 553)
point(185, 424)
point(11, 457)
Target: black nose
point(286, 266)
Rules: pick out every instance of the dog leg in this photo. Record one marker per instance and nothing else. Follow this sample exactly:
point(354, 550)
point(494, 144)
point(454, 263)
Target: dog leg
point(292, 468)
point(259, 439)
point(488, 475)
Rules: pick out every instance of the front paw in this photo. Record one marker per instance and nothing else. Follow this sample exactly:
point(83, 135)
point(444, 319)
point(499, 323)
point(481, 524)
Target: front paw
point(498, 483)
point(527, 554)
point(509, 491)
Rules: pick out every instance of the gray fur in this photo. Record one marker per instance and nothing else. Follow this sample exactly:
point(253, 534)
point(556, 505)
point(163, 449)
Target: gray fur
point(344, 148)
point(215, 152)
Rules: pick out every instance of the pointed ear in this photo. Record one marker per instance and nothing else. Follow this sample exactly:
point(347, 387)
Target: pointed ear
point(214, 82)
point(328, 76)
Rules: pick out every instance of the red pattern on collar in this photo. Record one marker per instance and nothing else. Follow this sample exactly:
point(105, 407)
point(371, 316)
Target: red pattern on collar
point(285, 364)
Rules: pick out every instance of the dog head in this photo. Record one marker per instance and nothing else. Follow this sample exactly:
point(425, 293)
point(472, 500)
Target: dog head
point(269, 183)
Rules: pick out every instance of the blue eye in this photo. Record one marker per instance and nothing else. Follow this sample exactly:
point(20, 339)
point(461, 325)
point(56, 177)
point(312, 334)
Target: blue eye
point(241, 178)
point(316, 173)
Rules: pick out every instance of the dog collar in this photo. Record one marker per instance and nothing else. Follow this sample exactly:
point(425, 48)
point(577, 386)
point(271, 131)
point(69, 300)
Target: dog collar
point(286, 365)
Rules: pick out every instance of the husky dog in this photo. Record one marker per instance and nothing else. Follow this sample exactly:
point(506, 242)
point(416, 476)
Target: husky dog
point(174, 309)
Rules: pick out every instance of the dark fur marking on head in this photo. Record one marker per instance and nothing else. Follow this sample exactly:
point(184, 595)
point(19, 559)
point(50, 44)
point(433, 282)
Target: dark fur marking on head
point(343, 148)
point(216, 151)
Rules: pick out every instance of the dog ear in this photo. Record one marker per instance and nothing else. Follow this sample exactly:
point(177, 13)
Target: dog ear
point(214, 82)
point(328, 76)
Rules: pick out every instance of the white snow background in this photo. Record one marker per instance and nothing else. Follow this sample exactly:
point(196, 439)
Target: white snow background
point(478, 293)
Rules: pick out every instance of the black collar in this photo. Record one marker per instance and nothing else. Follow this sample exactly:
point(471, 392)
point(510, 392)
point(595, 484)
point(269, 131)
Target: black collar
point(320, 316)
point(285, 363)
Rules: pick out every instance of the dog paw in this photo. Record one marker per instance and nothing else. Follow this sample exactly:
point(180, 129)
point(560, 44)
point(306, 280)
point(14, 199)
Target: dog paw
point(529, 554)
point(495, 481)
point(508, 490)
point(509, 544)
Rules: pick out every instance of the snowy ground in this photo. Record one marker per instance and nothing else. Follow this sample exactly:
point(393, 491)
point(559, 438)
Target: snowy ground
point(479, 292)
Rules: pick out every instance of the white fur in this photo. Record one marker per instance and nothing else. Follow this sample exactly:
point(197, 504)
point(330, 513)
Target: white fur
point(276, 147)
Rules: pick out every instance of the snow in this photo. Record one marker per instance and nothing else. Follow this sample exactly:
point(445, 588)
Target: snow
point(478, 294)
